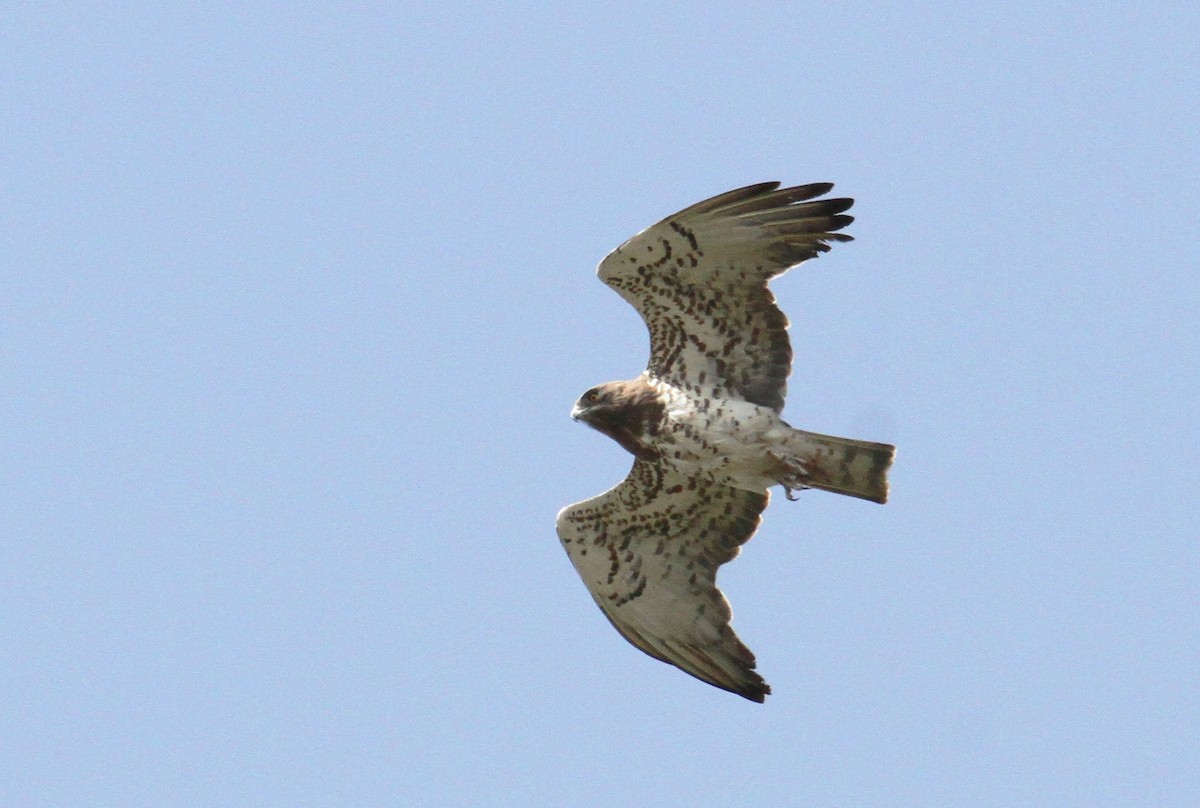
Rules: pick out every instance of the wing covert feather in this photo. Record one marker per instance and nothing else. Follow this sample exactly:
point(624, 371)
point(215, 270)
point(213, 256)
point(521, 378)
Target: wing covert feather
point(699, 280)
point(648, 551)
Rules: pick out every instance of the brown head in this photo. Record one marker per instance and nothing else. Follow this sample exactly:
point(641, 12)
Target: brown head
point(628, 412)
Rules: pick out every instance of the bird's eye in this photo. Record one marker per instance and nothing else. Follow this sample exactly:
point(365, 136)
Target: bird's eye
point(591, 396)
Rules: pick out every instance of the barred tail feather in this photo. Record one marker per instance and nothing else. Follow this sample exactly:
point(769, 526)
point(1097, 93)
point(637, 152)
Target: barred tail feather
point(856, 468)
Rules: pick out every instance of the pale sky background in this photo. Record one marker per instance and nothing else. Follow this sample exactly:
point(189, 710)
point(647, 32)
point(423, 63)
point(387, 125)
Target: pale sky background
point(296, 300)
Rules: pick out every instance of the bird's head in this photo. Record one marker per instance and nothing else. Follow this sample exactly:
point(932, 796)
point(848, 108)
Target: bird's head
point(596, 405)
point(628, 412)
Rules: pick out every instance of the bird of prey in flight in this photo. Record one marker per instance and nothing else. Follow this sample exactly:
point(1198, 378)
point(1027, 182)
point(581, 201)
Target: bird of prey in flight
point(703, 424)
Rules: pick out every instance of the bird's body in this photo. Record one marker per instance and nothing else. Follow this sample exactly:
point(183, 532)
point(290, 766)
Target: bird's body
point(703, 424)
point(746, 444)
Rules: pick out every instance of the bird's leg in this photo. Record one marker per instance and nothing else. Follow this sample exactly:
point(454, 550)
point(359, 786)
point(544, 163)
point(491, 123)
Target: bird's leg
point(792, 475)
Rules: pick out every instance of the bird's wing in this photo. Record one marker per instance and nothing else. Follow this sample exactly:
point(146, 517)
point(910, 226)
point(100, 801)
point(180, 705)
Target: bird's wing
point(699, 280)
point(648, 550)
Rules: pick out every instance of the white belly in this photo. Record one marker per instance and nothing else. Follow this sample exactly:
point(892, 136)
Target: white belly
point(730, 438)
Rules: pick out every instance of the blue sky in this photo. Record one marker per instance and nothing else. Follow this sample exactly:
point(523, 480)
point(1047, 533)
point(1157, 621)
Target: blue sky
point(296, 301)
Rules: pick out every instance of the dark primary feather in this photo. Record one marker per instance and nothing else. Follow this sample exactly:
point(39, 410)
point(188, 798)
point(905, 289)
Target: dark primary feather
point(774, 199)
point(729, 198)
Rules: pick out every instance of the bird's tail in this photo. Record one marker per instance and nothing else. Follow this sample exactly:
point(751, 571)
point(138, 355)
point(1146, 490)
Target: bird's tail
point(857, 468)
